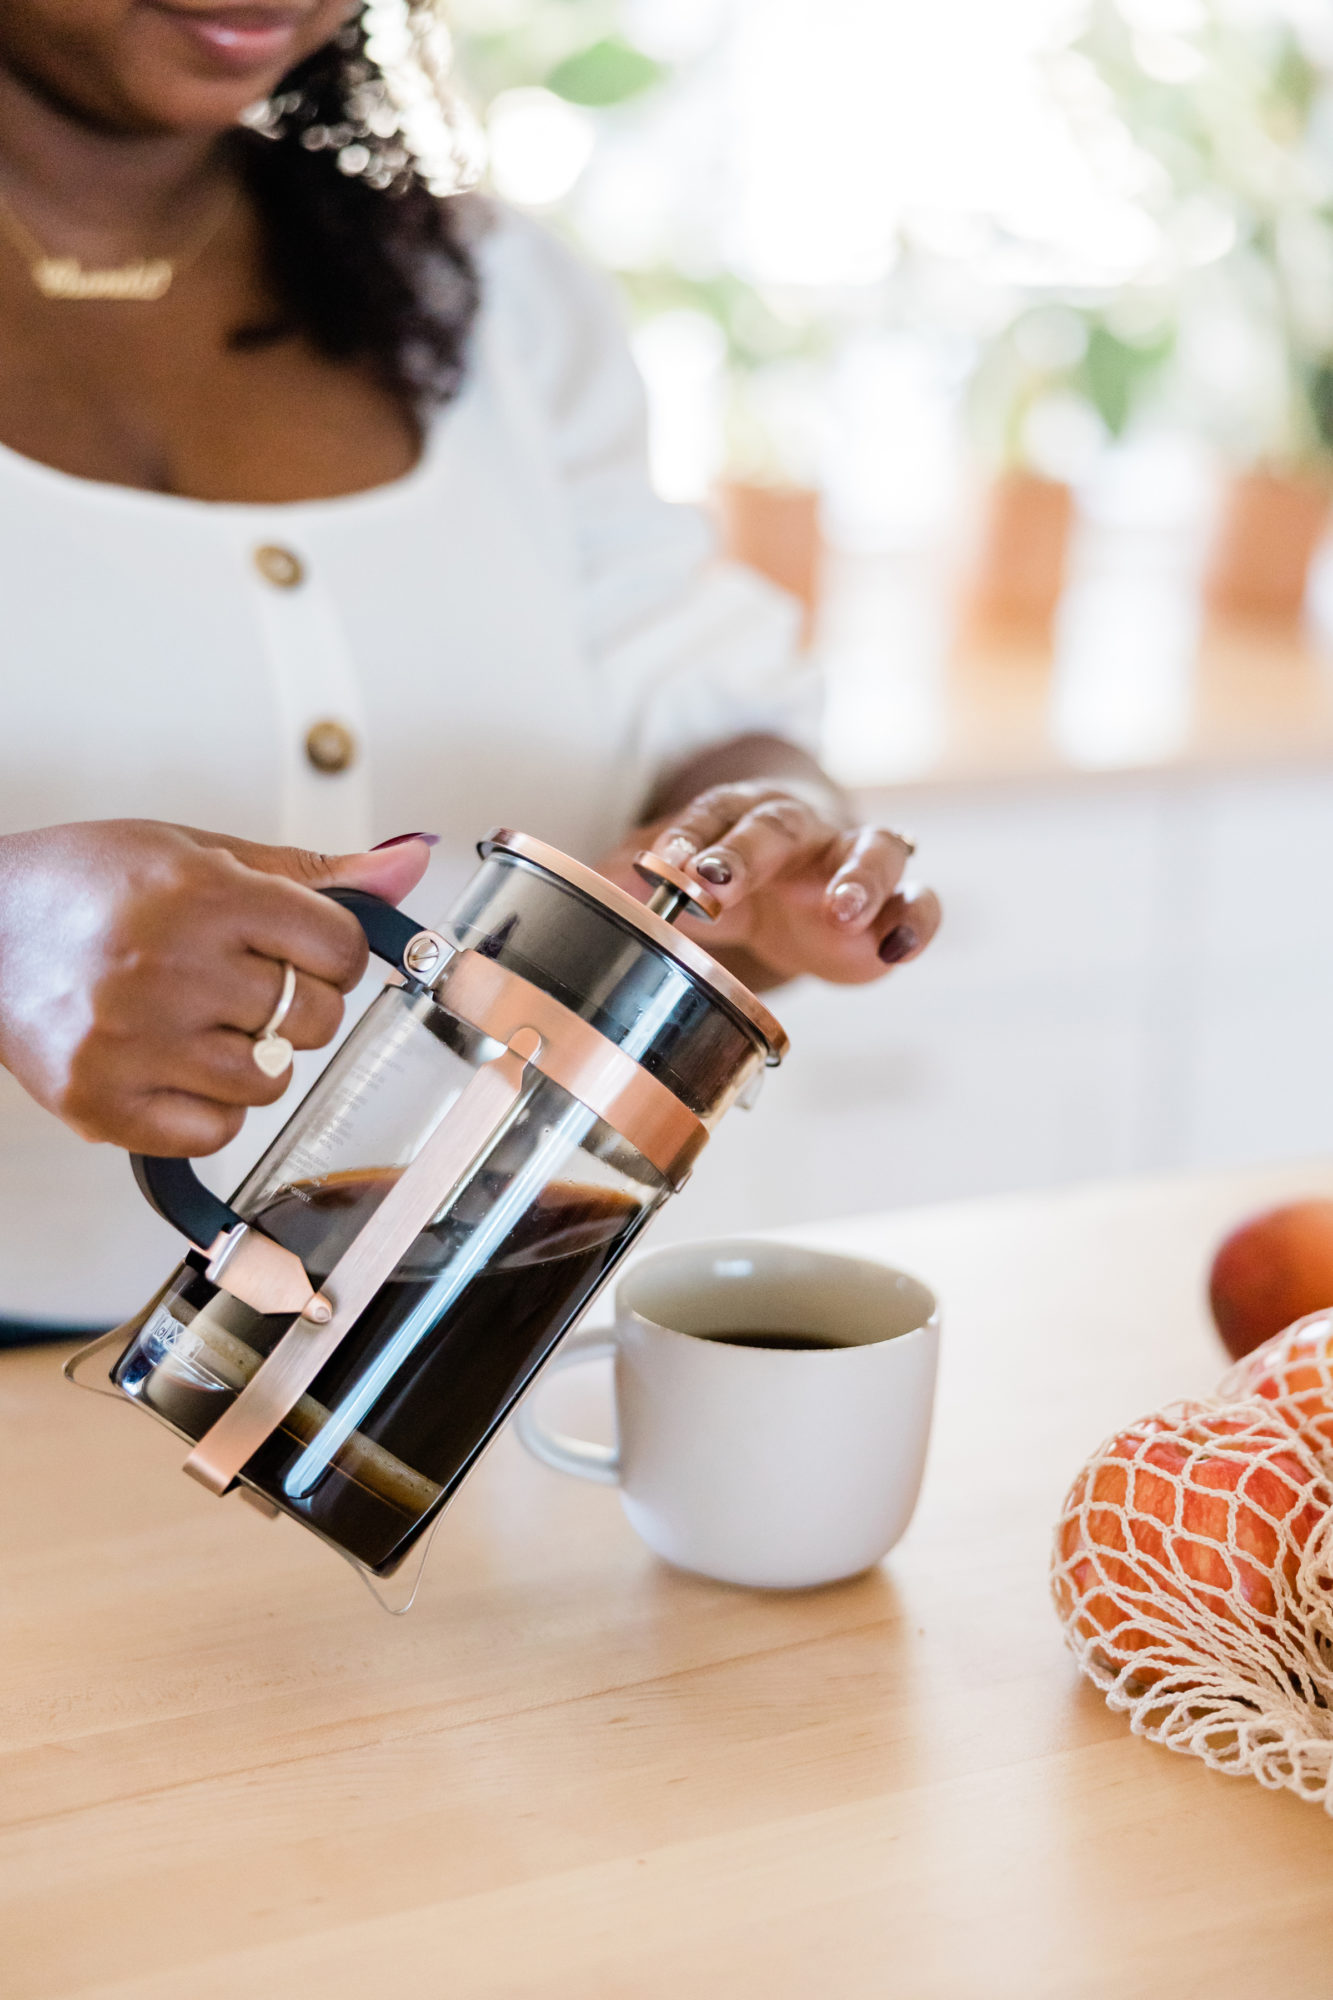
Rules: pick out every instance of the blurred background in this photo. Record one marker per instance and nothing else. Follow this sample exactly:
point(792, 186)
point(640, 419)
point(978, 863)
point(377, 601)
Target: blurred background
point(1001, 332)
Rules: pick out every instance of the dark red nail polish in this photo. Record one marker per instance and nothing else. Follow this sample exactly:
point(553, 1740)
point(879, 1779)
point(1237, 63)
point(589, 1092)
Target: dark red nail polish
point(431, 840)
point(712, 868)
point(900, 943)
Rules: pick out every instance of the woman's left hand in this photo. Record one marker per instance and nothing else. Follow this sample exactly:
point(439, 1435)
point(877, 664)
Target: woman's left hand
point(802, 890)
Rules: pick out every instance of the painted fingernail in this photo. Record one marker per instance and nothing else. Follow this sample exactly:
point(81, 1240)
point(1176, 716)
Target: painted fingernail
point(849, 901)
point(712, 868)
point(900, 943)
point(679, 848)
point(430, 839)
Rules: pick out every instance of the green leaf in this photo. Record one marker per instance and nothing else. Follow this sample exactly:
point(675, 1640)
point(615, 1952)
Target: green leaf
point(1116, 371)
point(606, 73)
point(1319, 388)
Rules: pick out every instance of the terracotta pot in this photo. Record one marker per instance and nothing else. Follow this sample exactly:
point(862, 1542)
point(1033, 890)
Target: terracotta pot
point(1270, 526)
point(1022, 550)
point(775, 529)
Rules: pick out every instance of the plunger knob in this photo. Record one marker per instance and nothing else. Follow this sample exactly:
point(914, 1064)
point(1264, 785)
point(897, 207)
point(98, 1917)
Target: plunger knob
point(675, 894)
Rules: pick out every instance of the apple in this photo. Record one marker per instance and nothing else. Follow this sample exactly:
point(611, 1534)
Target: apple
point(1295, 1374)
point(1183, 1526)
point(1274, 1269)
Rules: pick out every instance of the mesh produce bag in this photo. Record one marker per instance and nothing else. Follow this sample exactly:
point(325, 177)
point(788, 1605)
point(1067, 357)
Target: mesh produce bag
point(1191, 1572)
point(1293, 1373)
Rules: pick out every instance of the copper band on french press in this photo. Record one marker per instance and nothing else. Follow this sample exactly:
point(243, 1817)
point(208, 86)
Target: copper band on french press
point(578, 1057)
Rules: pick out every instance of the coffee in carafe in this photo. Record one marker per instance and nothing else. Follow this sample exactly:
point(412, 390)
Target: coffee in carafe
point(373, 1490)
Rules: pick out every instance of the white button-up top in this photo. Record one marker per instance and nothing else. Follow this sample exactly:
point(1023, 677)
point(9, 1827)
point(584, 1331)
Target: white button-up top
point(519, 631)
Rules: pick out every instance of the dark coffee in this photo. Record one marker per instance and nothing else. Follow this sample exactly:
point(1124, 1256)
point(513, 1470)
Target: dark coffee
point(789, 1342)
point(416, 1388)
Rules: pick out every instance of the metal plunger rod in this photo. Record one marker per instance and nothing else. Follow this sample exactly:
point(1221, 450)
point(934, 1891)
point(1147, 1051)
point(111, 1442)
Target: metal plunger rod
point(668, 901)
point(675, 893)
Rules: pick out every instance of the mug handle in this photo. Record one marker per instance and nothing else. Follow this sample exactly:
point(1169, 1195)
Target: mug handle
point(585, 1460)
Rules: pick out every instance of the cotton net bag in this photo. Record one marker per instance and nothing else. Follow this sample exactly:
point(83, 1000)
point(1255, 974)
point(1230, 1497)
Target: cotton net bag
point(1193, 1570)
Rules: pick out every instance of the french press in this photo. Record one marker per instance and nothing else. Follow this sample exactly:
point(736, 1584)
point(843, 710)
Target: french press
point(537, 1078)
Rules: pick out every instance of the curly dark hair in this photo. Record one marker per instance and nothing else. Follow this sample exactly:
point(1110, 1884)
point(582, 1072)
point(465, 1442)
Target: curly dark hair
point(368, 267)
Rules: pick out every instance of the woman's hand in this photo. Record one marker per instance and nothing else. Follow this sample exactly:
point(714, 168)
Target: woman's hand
point(802, 888)
point(138, 961)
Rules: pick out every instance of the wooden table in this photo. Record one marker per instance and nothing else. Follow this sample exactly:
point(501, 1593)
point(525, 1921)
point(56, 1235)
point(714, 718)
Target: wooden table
point(573, 1772)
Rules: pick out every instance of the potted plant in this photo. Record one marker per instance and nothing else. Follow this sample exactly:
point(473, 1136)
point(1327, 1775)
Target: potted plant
point(581, 53)
point(766, 497)
point(1230, 108)
point(1058, 381)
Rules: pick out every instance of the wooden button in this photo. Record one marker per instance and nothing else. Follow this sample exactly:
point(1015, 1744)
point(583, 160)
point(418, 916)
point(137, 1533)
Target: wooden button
point(331, 746)
point(279, 566)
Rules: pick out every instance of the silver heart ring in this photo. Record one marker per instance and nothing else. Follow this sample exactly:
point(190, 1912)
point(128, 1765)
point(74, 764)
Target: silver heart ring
point(273, 1052)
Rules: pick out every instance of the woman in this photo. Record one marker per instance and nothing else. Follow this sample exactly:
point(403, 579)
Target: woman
point(323, 507)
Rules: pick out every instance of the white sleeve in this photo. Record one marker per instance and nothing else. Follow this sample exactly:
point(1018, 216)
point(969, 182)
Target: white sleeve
point(693, 649)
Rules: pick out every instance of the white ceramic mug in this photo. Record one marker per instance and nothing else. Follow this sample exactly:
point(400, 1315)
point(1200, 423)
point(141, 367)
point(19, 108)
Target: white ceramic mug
point(775, 1467)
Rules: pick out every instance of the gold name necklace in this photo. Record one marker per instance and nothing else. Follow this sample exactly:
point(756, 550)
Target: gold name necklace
point(144, 280)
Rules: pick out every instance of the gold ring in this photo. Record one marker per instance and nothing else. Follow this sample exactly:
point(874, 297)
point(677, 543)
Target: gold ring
point(273, 1052)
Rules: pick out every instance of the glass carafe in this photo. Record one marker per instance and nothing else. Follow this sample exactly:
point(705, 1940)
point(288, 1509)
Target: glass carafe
point(350, 1331)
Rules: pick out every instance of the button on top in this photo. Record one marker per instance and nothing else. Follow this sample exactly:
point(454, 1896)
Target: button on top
point(330, 746)
point(279, 566)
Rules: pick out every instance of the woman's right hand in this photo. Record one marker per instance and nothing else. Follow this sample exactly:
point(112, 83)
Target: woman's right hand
point(138, 961)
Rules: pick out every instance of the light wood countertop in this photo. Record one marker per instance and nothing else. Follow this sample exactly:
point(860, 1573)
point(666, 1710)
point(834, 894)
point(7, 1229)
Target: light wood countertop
point(573, 1772)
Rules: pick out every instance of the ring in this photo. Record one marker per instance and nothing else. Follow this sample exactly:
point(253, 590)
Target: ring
point(273, 1052)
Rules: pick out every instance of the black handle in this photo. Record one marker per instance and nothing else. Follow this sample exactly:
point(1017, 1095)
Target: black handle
point(388, 930)
point(175, 1190)
point(172, 1187)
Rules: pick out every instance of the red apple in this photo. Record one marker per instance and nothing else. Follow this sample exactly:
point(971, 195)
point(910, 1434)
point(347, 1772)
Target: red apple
point(1274, 1269)
point(1295, 1375)
point(1186, 1524)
